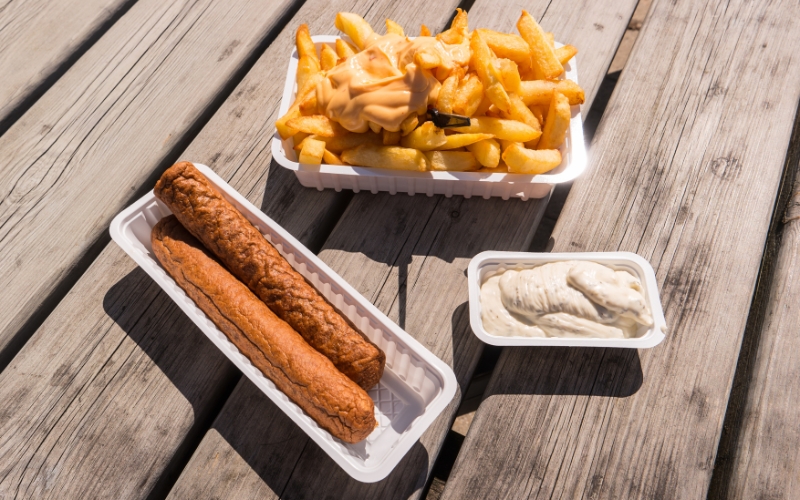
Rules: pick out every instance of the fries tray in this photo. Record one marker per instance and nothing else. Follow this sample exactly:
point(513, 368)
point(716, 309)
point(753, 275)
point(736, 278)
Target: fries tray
point(465, 184)
point(486, 264)
point(416, 385)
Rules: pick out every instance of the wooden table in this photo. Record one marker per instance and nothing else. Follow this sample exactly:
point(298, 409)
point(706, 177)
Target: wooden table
point(109, 391)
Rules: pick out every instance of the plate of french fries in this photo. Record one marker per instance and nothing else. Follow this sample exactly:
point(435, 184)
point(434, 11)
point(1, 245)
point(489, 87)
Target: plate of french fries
point(470, 113)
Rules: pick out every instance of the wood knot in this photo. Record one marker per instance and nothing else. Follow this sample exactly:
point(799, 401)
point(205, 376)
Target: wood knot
point(725, 168)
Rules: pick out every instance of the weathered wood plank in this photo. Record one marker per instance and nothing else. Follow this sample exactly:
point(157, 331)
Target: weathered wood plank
point(39, 37)
point(675, 174)
point(765, 456)
point(409, 256)
point(154, 350)
point(76, 157)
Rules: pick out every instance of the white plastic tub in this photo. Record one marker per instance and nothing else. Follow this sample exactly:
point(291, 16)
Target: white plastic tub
point(465, 184)
point(416, 385)
point(486, 264)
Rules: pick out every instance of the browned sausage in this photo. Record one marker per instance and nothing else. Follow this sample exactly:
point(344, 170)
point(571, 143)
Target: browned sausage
point(334, 401)
point(252, 259)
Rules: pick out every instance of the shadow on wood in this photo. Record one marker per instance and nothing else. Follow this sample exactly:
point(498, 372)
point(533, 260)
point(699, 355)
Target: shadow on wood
point(577, 371)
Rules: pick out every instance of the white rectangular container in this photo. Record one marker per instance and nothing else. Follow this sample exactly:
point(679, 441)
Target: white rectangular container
point(466, 184)
point(416, 385)
point(486, 264)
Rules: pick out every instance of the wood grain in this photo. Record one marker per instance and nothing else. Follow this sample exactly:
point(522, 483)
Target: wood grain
point(79, 154)
point(39, 37)
point(134, 335)
point(766, 453)
point(675, 175)
point(409, 256)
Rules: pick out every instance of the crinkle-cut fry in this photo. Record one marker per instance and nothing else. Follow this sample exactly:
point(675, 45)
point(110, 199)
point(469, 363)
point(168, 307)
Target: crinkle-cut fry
point(409, 124)
point(458, 31)
point(349, 140)
point(294, 110)
point(312, 151)
point(482, 60)
point(462, 140)
point(424, 31)
point(319, 125)
point(393, 28)
point(391, 138)
point(556, 124)
point(344, 49)
point(487, 152)
point(424, 138)
point(566, 53)
point(327, 57)
point(447, 95)
point(391, 157)
point(509, 73)
point(510, 130)
point(305, 46)
point(537, 92)
point(468, 96)
point(542, 53)
point(355, 27)
point(508, 46)
point(521, 160)
point(331, 159)
point(452, 161)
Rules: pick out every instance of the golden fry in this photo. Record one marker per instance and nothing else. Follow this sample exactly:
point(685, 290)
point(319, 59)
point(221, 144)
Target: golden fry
point(468, 96)
point(355, 27)
point(509, 73)
point(483, 106)
point(556, 124)
point(458, 29)
point(507, 46)
point(522, 113)
point(394, 28)
point(508, 130)
point(308, 104)
point(294, 110)
point(424, 138)
point(542, 53)
point(327, 57)
point(409, 124)
point(565, 53)
point(540, 92)
point(331, 159)
point(454, 161)
point(374, 127)
point(551, 39)
point(349, 140)
point(527, 161)
point(319, 125)
point(487, 152)
point(482, 60)
point(344, 49)
point(312, 151)
point(427, 59)
point(447, 94)
point(306, 68)
point(462, 140)
point(392, 157)
point(305, 46)
point(391, 138)
point(424, 31)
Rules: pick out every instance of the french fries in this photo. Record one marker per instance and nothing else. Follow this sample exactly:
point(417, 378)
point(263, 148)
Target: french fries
point(454, 161)
point(527, 161)
point(393, 157)
point(509, 85)
point(556, 123)
point(312, 151)
point(426, 137)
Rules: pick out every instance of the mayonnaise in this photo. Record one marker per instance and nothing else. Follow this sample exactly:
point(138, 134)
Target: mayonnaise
point(382, 84)
point(564, 299)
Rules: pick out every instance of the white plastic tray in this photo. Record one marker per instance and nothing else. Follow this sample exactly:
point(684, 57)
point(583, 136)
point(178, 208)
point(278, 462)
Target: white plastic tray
point(416, 385)
point(465, 184)
point(486, 264)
